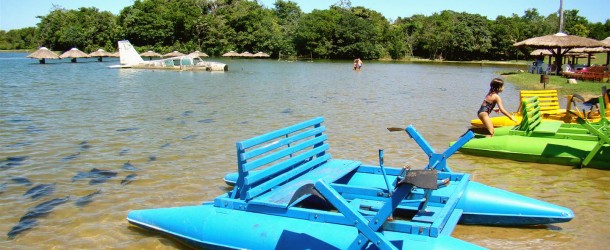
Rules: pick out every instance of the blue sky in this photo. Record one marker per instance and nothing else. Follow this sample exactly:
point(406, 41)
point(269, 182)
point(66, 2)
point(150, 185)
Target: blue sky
point(15, 14)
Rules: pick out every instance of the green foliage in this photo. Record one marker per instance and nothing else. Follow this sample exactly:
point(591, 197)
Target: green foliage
point(341, 32)
point(86, 28)
point(599, 30)
point(24, 38)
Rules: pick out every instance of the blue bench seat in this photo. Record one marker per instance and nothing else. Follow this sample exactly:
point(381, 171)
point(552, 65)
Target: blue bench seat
point(329, 172)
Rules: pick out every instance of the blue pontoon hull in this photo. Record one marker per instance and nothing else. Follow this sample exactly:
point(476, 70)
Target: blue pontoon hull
point(209, 227)
point(481, 204)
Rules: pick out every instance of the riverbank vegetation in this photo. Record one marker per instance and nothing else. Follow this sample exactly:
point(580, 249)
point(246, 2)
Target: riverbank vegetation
point(341, 32)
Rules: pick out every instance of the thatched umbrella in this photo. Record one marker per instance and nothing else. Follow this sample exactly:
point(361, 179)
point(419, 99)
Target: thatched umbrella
point(589, 51)
point(607, 43)
point(542, 53)
point(246, 54)
point(261, 54)
point(231, 54)
point(115, 54)
point(199, 54)
point(150, 54)
point(559, 44)
point(99, 54)
point(74, 53)
point(575, 56)
point(43, 53)
point(174, 53)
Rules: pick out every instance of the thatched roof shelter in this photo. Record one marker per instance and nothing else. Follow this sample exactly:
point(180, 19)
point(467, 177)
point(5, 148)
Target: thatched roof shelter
point(115, 54)
point(590, 50)
point(559, 44)
point(587, 52)
point(607, 43)
point(540, 52)
point(246, 54)
point(150, 54)
point(199, 54)
point(74, 53)
point(261, 54)
point(173, 54)
point(231, 54)
point(99, 54)
point(559, 40)
point(43, 53)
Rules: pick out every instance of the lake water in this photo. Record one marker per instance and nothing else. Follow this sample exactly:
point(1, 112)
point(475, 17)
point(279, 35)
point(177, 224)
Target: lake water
point(177, 131)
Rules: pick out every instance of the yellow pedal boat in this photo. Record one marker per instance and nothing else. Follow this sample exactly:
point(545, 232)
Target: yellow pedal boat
point(549, 109)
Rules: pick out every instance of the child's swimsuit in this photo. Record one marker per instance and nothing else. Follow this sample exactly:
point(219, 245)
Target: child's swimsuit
point(488, 107)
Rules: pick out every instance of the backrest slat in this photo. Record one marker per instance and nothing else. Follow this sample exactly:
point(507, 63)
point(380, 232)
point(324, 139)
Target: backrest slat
point(548, 99)
point(277, 144)
point(531, 114)
point(278, 156)
point(263, 187)
point(275, 134)
point(281, 166)
point(283, 153)
point(535, 116)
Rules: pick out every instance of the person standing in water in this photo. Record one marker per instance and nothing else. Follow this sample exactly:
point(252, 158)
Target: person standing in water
point(489, 103)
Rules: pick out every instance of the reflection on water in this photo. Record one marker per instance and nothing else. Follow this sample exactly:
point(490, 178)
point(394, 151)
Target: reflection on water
point(148, 139)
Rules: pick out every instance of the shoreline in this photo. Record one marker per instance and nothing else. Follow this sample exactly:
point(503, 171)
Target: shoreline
point(411, 59)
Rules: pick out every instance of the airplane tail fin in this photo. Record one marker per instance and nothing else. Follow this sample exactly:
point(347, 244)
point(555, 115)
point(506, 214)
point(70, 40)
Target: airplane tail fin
point(128, 54)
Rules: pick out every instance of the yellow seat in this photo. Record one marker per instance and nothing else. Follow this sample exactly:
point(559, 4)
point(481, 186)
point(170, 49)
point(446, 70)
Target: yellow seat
point(547, 100)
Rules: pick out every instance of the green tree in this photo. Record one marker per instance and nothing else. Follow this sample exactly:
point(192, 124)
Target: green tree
point(575, 24)
point(599, 30)
point(147, 23)
point(86, 28)
point(437, 37)
point(396, 43)
point(252, 26)
point(315, 33)
point(24, 38)
point(288, 14)
point(410, 30)
point(505, 32)
point(471, 37)
point(357, 34)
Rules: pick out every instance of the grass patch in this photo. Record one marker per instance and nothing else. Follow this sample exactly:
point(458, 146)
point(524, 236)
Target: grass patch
point(525, 80)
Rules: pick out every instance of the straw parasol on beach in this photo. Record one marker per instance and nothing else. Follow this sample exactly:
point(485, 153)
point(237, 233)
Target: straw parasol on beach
point(99, 54)
point(261, 54)
point(115, 54)
point(198, 53)
point(559, 44)
point(74, 53)
point(246, 54)
point(43, 53)
point(231, 54)
point(150, 54)
point(174, 53)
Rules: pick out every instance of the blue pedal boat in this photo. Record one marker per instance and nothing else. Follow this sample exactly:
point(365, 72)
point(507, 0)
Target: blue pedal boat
point(290, 193)
point(481, 204)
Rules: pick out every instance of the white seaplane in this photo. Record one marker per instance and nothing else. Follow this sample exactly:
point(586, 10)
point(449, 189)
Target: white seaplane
point(129, 58)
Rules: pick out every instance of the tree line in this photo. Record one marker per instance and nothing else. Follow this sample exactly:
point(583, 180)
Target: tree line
point(340, 32)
